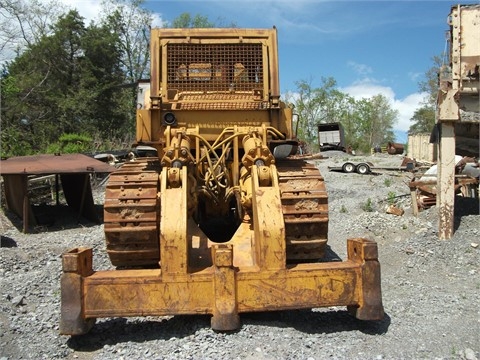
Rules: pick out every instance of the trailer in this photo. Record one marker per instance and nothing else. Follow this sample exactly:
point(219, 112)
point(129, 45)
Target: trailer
point(364, 168)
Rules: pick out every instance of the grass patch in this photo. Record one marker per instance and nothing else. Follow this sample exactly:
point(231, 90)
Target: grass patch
point(368, 206)
point(391, 198)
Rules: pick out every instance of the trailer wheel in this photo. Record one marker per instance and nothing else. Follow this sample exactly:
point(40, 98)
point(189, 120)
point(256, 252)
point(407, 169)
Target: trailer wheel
point(348, 167)
point(363, 169)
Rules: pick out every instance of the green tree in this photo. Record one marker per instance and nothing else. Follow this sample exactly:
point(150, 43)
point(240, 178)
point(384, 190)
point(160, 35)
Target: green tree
point(366, 122)
point(107, 103)
point(423, 120)
point(131, 22)
point(378, 121)
point(70, 78)
point(429, 84)
point(68, 82)
point(314, 106)
point(375, 119)
point(25, 22)
point(186, 20)
point(349, 120)
point(44, 76)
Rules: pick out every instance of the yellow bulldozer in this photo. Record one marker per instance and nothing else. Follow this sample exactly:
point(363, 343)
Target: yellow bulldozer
point(223, 220)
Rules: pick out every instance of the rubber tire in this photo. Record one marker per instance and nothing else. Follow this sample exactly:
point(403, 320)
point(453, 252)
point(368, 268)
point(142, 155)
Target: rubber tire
point(362, 169)
point(348, 167)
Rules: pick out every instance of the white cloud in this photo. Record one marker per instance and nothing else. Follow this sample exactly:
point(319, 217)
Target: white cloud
point(89, 9)
point(158, 20)
point(360, 69)
point(406, 106)
point(415, 76)
point(367, 88)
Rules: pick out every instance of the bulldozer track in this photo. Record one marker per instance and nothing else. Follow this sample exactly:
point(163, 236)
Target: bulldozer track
point(305, 209)
point(132, 212)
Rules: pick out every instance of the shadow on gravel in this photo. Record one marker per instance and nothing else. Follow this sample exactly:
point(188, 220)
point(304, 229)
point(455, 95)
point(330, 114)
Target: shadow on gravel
point(330, 255)
point(122, 330)
point(7, 242)
point(465, 206)
point(318, 321)
point(54, 218)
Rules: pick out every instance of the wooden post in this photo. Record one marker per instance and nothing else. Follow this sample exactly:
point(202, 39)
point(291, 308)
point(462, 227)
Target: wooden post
point(413, 195)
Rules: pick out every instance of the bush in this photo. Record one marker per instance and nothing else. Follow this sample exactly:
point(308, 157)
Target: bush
point(71, 144)
point(13, 143)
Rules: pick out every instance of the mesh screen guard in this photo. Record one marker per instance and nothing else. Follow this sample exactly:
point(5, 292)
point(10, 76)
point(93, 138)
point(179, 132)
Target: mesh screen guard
point(216, 76)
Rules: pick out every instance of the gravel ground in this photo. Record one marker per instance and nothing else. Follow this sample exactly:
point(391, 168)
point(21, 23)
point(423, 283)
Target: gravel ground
point(430, 290)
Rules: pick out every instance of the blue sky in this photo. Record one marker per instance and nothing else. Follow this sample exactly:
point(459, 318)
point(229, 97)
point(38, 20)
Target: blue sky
point(368, 47)
point(387, 43)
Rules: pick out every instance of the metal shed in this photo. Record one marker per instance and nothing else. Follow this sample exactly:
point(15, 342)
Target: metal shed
point(74, 171)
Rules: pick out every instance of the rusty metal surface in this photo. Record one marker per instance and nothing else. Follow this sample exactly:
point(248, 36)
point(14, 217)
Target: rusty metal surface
point(76, 188)
point(73, 170)
point(131, 214)
point(52, 164)
point(222, 290)
point(457, 101)
point(215, 67)
point(219, 61)
point(305, 209)
point(222, 227)
point(187, 101)
point(394, 148)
